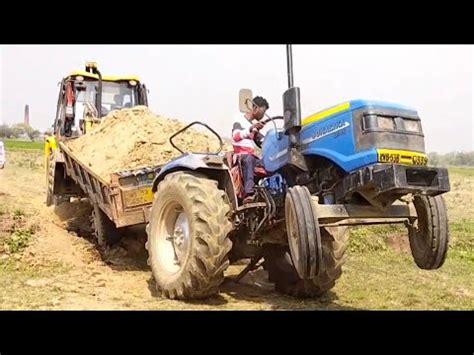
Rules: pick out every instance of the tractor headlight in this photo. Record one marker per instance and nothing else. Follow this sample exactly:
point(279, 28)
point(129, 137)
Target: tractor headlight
point(411, 125)
point(374, 122)
point(384, 122)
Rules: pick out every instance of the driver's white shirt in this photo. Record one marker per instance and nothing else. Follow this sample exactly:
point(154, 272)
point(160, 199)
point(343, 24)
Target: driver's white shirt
point(242, 138)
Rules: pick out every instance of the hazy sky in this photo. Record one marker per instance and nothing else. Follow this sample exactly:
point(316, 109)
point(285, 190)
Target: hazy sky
point(192, 82)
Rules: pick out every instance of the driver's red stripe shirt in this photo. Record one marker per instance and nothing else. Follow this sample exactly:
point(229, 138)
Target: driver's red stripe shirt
point(242, 138)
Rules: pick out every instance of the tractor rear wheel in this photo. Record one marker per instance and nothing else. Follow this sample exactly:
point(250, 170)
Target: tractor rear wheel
point(188, 242)
point(282, 272)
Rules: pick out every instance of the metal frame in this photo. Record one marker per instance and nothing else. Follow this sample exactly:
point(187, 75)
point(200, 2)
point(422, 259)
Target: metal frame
point(108, 195)
point(351, 214)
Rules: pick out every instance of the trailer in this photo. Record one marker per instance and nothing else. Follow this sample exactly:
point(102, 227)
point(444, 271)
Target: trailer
point(124, 198)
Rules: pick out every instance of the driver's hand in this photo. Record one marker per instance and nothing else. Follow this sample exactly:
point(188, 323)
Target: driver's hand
point(258, 125)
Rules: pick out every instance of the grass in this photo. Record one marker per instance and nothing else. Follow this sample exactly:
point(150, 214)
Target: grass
point(462, 240)
point(377, 276)
point(390, 280)
point(372, 239)
point(26, 158)
point(15, 293)
point(18, 240)
point(18, 213)
point(24, 154)
point(20, 144)
point(462, 171)
point(460, 199)
point(16, 231)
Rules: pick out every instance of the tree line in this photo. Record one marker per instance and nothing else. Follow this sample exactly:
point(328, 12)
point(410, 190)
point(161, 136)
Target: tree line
point(451, 159)
point(17, 130)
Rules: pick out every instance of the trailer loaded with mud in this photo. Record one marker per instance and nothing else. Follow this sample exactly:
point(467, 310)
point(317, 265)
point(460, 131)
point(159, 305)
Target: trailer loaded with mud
point(111, 156)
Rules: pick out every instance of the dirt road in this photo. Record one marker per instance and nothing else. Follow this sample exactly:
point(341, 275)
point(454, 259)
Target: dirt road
point(75, 275)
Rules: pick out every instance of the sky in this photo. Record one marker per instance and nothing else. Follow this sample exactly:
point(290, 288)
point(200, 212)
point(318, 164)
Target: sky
point(202, 82)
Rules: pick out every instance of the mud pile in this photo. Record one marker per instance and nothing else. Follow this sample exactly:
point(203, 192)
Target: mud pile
point(137, 138)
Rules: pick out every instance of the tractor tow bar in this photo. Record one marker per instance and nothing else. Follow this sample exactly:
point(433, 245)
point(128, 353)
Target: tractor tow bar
point(253, 265)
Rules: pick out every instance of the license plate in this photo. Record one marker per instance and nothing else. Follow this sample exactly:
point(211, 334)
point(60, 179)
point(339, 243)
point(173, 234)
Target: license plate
point(401, 157)
point(137, 196)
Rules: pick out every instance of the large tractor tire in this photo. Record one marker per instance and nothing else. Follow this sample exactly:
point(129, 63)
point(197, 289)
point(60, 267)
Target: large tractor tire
point(188, 242)
point(103, 229)
point(429, 236)
point(281, 271)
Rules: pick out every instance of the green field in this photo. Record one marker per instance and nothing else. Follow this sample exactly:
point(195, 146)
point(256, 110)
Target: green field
point(11, 144)
point(462, 171)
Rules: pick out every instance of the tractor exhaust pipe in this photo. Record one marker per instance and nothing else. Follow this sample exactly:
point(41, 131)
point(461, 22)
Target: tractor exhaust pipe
point(289, 61)
point(292, 117)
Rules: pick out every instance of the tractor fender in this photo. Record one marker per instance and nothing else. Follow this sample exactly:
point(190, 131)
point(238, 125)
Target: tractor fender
point(210, 165)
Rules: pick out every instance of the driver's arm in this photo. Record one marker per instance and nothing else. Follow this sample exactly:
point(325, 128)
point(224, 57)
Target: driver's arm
point(258, 139)
point(239, 133)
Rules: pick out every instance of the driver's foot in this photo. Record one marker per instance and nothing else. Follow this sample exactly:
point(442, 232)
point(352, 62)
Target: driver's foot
point(249, 199)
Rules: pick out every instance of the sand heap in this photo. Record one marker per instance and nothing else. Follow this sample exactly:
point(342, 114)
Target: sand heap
point(136, 138)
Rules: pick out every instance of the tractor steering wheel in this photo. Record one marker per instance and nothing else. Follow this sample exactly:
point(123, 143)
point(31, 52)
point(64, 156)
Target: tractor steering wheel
point(272, 119)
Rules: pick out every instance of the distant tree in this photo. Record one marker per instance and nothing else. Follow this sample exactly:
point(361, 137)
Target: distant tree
point(32, 133)
point(18, 129)
point(5, 131)
point(451, 159)
point(433, 158)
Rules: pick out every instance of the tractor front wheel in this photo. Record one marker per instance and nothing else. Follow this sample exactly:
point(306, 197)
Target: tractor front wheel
point(429, 236)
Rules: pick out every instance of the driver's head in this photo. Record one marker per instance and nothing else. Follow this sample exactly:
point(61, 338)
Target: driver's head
point(260, 106)
point(118, 100)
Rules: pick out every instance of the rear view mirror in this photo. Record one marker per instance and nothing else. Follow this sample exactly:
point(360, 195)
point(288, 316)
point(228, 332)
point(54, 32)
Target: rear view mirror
point(245, 100)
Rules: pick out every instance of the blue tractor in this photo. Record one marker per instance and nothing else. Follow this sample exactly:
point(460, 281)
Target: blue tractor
point(357, 163)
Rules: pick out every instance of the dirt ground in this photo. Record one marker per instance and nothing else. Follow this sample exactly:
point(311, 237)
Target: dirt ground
point(75, 276)
point(62, 269)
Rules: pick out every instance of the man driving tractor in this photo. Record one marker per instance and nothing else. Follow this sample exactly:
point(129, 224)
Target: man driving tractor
point(245, 136)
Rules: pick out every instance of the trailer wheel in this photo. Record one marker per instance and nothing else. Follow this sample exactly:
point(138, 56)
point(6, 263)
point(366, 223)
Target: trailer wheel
point(281, 271)
point(188, 242)
point(103, 228)
point(429, 236)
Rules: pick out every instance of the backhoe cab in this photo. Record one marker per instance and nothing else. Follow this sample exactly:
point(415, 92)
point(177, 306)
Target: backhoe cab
point(87, 96)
